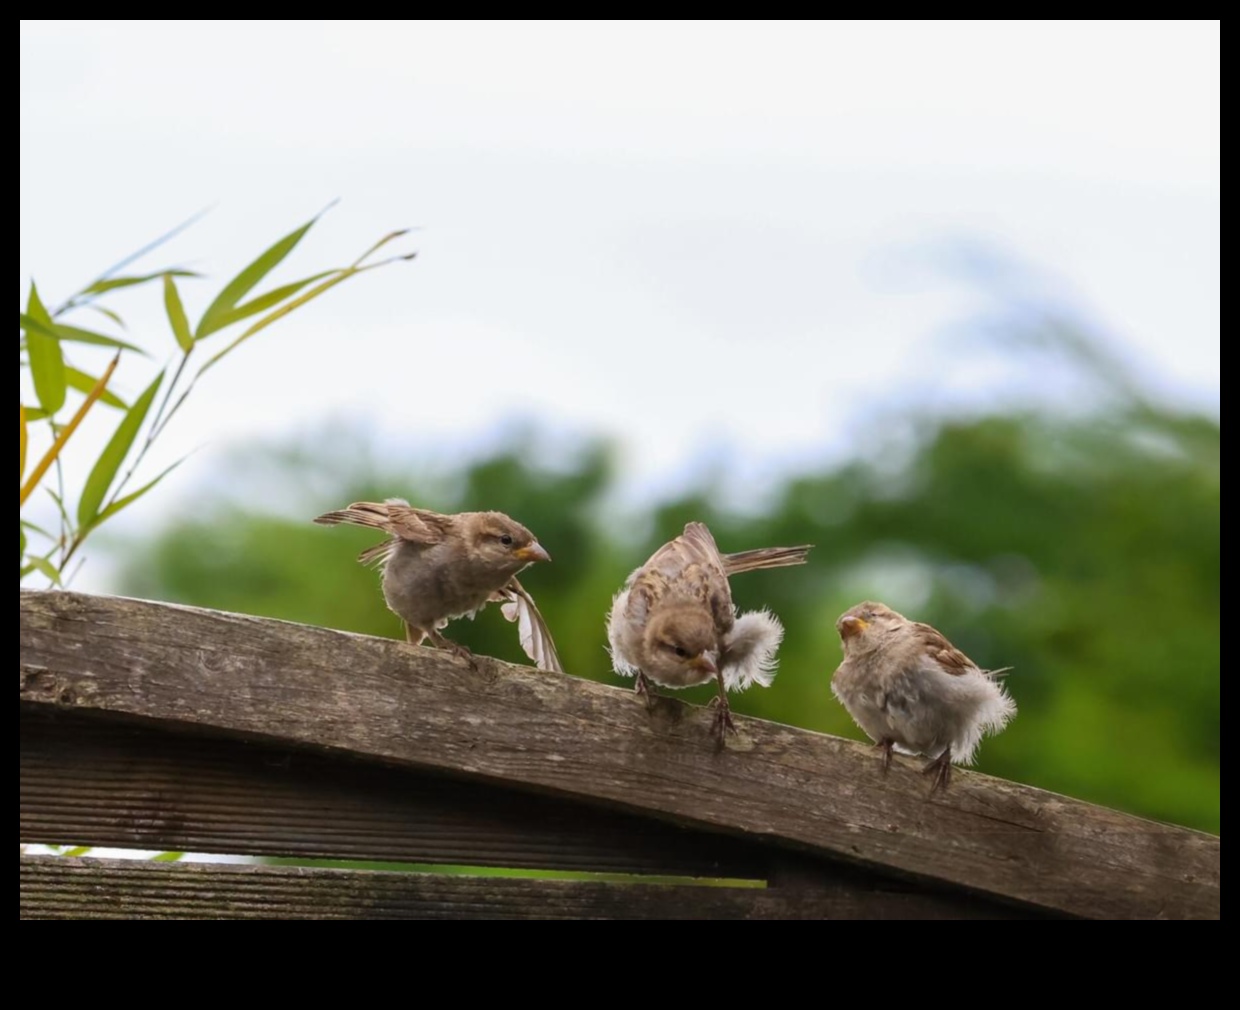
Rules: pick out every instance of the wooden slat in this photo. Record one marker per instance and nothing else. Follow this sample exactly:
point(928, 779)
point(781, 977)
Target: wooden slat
point(557, 734)
point(60, 888)
point(87, 781)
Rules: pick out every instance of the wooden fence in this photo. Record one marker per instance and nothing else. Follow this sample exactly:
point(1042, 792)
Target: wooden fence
point(153, 726)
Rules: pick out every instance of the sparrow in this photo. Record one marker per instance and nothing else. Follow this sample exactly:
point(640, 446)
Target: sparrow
point(911, 690)
point(674, 623)
point(440, 567)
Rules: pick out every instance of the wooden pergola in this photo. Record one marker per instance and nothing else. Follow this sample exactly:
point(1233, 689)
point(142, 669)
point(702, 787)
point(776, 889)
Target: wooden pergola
point(152, 726)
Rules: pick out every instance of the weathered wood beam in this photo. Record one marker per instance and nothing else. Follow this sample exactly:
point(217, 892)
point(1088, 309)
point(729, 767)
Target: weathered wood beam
point(517, 726)
point(88, 780)
point(54, 887)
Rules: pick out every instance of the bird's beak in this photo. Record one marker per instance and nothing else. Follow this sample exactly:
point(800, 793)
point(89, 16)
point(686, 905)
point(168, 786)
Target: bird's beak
point(534, 552)
point(850, 626)
point(704, 662)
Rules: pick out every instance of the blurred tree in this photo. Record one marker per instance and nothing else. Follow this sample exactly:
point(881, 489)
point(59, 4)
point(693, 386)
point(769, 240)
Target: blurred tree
point(1082, 552)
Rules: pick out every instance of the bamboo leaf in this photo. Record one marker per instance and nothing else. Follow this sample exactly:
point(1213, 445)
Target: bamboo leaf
point(138, 254)
point(112, 283)
point(75, 334)
point(280, 313)
point(176, 315)
point(105, 469)
point(84, 383)
point(45, 567)
point(103, 310)
point(267, 300)
point(22, 439)
point(389, 237)
point(77, 850)
point(236, 289)
point(167, 857)
point(47, 362)
point(64, 434)
point(35, 413)
point(116, 506)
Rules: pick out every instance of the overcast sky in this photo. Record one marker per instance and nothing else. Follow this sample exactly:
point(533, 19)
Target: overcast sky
point(696, 235)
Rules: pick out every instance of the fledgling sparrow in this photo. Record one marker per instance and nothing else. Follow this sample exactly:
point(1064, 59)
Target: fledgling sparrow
point(440, 567)
point(910, 689)
point(674, 622)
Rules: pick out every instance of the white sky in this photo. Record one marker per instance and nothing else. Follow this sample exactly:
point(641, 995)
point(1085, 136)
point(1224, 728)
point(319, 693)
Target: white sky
point(693, 234)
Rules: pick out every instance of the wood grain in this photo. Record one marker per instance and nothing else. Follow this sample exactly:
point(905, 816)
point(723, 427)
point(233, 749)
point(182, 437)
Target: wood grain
point(91, 781)
point(516, 726)
point(54, 887)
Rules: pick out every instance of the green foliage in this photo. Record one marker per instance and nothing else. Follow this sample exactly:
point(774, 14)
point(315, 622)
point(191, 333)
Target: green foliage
point(1083, 553)
point(42, 352)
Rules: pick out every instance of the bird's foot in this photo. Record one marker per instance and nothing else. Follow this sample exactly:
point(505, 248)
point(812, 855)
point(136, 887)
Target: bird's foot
point(884, 746)
point(722, 724)
point(644, 689)
point(941, 770)
point(458, 650)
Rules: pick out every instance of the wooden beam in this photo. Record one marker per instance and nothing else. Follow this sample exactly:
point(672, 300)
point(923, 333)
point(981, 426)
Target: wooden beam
point(86, 780)
point(55, 887)
point(524, 728)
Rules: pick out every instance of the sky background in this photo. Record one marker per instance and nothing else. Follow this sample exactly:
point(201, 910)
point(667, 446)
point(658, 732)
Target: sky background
point(713, 241)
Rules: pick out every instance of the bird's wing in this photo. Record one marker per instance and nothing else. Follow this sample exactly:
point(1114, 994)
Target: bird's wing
point(938, 648)
point(535, 636)
point(395, 516)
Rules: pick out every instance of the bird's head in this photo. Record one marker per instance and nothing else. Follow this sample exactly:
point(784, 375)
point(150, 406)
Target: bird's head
point(862, 627)
point(500, 543)
point(682, 645)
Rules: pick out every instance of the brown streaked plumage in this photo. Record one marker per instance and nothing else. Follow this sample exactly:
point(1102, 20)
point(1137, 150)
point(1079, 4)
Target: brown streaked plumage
point(439, 567)
point(911, 690)
point(674, 622)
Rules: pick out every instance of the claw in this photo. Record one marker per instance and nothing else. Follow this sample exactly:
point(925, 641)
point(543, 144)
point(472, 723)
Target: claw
point(885, 746)
point(941, 769)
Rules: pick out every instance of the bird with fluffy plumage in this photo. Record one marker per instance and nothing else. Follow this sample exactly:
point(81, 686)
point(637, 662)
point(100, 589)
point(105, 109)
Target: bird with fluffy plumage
point(440, 567)
point(674, 622)
point(911, 690)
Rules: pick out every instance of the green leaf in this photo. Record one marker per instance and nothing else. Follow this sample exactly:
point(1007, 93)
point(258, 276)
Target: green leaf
point(267, 300)
point(77, 850)
point(103, 310)
point(45, 567)
point(81, 336)
point(47, 363)
point(36, 414)
point(84, 383)
point(176, 315)
point(111, 283)
point(76, 334)
point(120, 503)
point(27, 524)
point(113, 455)
point(281, 312)
point(236, 289)
point(21, 552)
point(167, 857)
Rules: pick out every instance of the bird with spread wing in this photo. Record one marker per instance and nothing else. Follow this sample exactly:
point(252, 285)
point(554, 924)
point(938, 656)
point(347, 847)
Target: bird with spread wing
point(440, 567)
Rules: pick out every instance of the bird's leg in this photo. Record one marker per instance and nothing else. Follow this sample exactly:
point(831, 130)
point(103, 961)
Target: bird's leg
point(885, 746)
point(723, 714)
point(645, 689)
point(941, 769)
point(412, 635)
point(458, 650)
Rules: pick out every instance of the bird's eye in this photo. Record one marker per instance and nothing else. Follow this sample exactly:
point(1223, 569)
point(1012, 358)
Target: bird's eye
point(506, 540)
point(682, 653)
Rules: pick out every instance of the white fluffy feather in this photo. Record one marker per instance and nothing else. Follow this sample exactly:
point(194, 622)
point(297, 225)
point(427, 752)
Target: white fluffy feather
point(749, 650)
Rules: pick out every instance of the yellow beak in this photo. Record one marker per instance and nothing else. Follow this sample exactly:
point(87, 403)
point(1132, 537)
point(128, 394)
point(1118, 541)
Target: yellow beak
point(534, 552)
point(850, 626)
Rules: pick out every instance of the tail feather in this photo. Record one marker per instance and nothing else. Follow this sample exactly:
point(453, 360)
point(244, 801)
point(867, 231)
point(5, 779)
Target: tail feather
point(765, 557)
point(360, 513)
